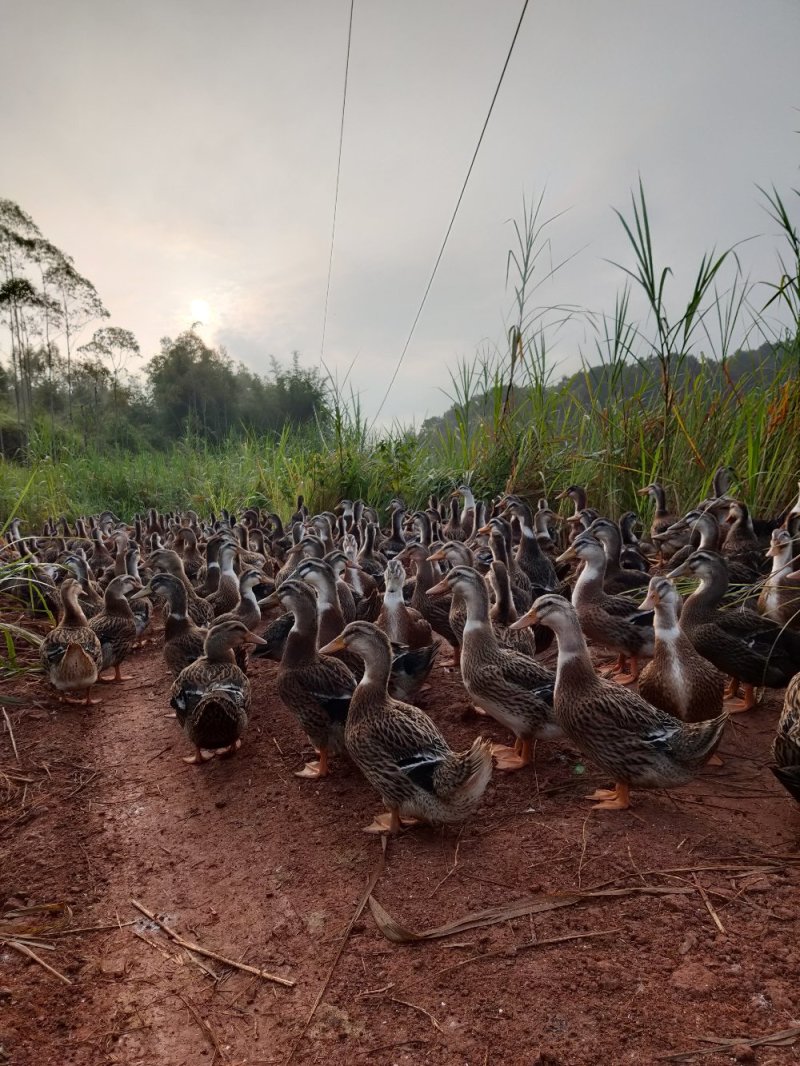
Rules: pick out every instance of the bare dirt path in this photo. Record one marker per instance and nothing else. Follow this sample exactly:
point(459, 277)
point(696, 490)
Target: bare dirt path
point(259, 866)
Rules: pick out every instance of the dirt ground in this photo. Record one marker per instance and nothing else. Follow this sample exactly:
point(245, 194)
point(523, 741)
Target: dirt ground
point(257, 865)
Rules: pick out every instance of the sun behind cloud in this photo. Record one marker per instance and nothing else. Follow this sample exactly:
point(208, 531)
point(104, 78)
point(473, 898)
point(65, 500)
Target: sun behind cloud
point(200, 311)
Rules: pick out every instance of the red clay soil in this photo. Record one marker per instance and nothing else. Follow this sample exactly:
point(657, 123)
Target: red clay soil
point(259, 866)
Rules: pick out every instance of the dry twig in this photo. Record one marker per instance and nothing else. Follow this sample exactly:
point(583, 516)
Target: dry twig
point(189, 946)
point(376, 873)
point(23, 949)
point(11, 734)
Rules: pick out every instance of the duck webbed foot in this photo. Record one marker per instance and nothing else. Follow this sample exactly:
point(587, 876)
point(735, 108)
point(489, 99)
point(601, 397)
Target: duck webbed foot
point(509, 759)
point(317, 768)
point(616, 799)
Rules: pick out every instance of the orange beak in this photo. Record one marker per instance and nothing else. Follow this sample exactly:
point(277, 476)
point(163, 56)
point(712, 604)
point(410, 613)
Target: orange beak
point(337, 644)
point(529, 619)
point(437, 556)
point(567, 556)
point(441, 589)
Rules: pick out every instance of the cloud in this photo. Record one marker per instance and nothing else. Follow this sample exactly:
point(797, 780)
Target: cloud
point(188, 151)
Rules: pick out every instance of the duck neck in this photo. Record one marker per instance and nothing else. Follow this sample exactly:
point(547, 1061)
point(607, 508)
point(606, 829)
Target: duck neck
point(301, 643)
point(708, 527)
point(178, 602)
point(666, 625)
point(218, 650)
point(658, 494)
point(377, 669)
point(574, 663)
point(590, 581)
point(73, 616)
point(706, 597)
point(393, 598)
point(478, 625)
point(397, 524)
point(503, 610)
point(116, 604)
point(528, 549)
point(781, 565)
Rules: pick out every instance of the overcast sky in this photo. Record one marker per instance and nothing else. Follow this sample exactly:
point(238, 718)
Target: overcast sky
point(184, 153)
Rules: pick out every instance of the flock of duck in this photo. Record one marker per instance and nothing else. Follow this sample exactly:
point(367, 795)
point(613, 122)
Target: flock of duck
point(356, 617)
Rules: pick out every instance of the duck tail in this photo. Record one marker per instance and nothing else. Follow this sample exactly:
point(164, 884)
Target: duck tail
point(701, 739)
point(789, 777)
point(467, 774)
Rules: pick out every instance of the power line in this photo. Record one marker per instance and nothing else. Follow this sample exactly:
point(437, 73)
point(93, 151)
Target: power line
point(338, 172)
point(453, 218)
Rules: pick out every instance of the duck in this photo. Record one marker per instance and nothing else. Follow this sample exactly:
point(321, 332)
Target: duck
point(90, 597)
point(400, 750)
point(226, 597)
point(511, 687)
point(435, 611)
point(186, 546)
point(211, 696)
point(677, 679)
point(338, 562)
point(469, 513)
point(636, 744)
point(370, 559)
point(183, 640)
point(143, 610)
point(741, 543)
point(169, 562)
point(786, 746)
point(70, 653)
point(401, 624)
point(749, 648)
point(780, 596)
point(115, 626)
point(582, 516)
point(503, 613)
point(663, 517)
point(636, 554)
point(499, 531)
point(530, 558)
point(617, 578)
point(316, 688)
point(455, 553)
point(247, 609)
point(611, 621)
point(453, 530)
point(396, 541)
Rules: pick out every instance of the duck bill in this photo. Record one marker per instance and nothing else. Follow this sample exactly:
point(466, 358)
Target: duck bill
point(140, 595)
point(485, 529)
point(680, 571)
point(643, 492)
point(567, 556)
point(563, 495)
point(254, 638)
point(270, 601)
point(649, 603)
point(437, 557)
point(439, 590)
point(529, 619)
point(337, 644)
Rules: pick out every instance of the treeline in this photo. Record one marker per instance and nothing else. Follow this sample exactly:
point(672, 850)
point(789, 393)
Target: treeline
point(62, 391)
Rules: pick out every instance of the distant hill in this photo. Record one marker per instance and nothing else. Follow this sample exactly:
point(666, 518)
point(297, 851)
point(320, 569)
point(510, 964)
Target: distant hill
point(592, 386)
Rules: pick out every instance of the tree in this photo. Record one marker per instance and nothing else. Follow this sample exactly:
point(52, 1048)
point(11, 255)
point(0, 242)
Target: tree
point(114, 346)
